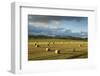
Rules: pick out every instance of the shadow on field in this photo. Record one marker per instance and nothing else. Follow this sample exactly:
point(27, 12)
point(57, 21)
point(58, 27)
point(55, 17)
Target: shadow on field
point(78, 56)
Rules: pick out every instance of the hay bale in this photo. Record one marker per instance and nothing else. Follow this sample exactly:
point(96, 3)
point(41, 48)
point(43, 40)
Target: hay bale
point(47, 49)
point(36, 45)
point(80, 45)
point(48, 44)
point(57, 51)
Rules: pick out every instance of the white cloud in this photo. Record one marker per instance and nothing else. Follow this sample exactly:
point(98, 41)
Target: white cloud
point(38, 24)
point(54, 24)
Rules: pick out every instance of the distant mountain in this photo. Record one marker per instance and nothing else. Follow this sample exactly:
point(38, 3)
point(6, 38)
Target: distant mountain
point(80, 35)
point(58, 37)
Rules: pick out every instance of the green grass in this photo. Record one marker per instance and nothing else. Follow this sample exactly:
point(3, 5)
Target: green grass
point(69, 49)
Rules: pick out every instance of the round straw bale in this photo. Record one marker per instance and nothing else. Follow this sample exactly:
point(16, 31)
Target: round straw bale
point(36, 45)
point(47, 49)
point(57, 51)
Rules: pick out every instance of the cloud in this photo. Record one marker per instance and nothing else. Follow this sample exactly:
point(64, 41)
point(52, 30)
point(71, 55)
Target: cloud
point(44, 22)
point(53, 25)
point(54, 20)
point(33, 30)
point(73, 18)
point(44, 18)
point(54, 32)
point(38, 24)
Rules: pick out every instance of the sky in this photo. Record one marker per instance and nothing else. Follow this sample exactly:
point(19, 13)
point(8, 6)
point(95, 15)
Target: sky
point(57, 25)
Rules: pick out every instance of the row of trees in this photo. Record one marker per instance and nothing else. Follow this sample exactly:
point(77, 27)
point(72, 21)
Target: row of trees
point(55, 37)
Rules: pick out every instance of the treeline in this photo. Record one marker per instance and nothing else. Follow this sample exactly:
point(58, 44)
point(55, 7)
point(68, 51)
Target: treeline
point(55, 37)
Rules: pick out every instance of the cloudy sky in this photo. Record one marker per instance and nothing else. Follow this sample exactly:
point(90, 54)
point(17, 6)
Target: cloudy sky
point(57, 25)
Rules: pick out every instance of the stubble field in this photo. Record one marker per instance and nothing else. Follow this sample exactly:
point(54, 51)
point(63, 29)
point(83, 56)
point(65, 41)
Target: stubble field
point(52, 49)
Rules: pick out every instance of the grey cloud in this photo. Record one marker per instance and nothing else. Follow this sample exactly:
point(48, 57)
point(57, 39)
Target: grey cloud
point(46, 19)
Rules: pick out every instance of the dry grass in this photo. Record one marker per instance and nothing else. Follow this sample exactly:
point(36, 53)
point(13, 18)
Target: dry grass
point(68, 49)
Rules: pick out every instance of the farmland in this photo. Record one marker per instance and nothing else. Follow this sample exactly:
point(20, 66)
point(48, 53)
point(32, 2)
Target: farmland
point(52, 49)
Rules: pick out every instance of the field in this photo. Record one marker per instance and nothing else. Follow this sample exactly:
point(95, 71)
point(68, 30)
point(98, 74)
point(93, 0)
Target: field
point(52, 49)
